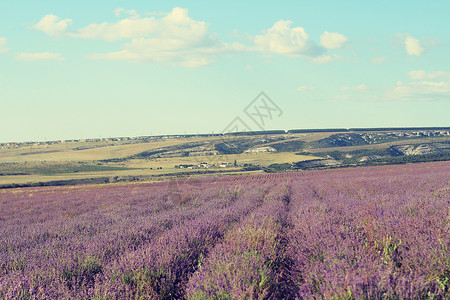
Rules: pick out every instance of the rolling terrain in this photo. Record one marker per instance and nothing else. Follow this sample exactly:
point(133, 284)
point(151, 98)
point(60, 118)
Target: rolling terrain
point(164, 157)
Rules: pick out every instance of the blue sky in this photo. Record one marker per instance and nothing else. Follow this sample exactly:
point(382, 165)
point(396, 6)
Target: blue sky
point(114, 68)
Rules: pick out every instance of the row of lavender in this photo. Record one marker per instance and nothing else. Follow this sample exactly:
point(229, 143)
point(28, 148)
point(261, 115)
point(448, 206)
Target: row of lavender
point(125, 241)
point(379, 232)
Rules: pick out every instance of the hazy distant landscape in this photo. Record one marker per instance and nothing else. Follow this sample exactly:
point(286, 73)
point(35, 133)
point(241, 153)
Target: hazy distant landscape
point(163, 157)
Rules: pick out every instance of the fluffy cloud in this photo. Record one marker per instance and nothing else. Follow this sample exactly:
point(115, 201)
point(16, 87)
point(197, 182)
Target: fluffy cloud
point(424, 86)
point(357, 88)
point(124, 29)
point(332, 40)
point(175, 38)
point(51, 25)
point(282, 39)
point(175, 27)
point(419, 90)
point(178, 39)
point(413, 46)
point(421, 74)
point(39, 56)
point(3, 45)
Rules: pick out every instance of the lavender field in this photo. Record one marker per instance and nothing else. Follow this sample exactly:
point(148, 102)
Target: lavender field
point(373, 233)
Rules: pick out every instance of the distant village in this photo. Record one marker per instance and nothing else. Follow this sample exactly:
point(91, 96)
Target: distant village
point(117, 140)
point(373, 135)
point(205, 165)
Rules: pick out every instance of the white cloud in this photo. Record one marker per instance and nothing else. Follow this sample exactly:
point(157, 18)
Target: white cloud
point(131, 12)
point(424, 87)
point(282, 39)
point(332, 40)
point(438, 75)
point(51, 25)
point(39, 56)
point(3, 45)
point(177, 25)
point(175, 38)
point(379, 60)
point(357, 88)
point(173, 51)
point(413, 46)
point(178, 39)
point(421, 74)
point(305, 88)
point(419, 90)
point(190, 59)
point(124, 29)
point(417, 74)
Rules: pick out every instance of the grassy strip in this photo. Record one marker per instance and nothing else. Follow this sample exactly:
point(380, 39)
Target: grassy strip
point(53, 169)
